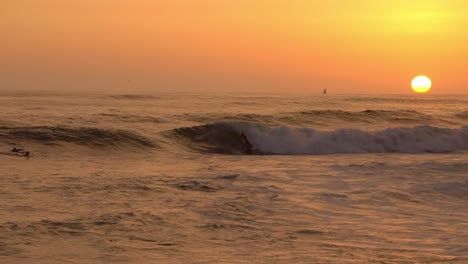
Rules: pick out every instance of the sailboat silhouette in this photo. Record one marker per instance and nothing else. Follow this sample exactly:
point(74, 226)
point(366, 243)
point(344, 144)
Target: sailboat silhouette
point(324, 91)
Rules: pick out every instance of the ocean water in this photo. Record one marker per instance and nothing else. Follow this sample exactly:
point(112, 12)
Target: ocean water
point(166, 179)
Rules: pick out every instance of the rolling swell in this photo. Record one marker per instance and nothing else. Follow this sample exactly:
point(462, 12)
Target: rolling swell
point(367, 116)
point(408, 100)
point(317, 117)
point(462, 115)
point(131, 118)
point(224, 138)
point(133, 97)
point(91, 137)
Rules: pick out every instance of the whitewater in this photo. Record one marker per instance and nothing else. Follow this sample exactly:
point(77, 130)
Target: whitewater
point(166, 178)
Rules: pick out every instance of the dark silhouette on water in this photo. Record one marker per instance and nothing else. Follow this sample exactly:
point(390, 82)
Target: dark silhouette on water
point(14, 149)
point(20, 152)
point(324, 91)
point(246, 144)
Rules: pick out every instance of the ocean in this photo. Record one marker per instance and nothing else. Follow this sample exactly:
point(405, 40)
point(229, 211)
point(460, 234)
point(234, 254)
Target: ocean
point(168, 178)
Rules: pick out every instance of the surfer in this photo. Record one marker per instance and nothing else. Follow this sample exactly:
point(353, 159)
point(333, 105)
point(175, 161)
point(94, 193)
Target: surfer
point(14, 149)
point(247, 145)
point(20, 152)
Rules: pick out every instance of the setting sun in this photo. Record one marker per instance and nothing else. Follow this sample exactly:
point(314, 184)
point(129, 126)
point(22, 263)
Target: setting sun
point(421, 84)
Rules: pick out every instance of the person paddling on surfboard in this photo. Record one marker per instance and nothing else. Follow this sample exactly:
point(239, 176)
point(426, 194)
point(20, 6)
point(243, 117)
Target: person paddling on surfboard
point(14, 149)
point(247, 145)
point(20, 152)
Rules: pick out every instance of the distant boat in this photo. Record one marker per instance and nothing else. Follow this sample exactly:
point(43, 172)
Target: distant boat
point(324, 91)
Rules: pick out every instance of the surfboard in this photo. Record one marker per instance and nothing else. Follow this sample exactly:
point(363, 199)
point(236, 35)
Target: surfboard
point(14, 154)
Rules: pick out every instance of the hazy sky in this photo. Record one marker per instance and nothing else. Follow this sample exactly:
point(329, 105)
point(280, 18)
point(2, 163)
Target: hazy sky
point(346, 46)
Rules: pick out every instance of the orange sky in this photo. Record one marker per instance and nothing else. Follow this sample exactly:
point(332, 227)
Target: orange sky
point(346, 46)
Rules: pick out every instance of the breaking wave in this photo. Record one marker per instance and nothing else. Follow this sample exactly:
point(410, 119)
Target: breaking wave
point(92, 137)
point(221, 138)
point(224, 138)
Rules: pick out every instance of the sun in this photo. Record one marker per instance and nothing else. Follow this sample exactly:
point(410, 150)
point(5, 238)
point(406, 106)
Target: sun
point(421, 84)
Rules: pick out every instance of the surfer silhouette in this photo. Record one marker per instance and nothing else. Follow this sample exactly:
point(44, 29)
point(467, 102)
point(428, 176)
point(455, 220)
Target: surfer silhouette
point(14, 149)
point(20, 152)
point(246, 143)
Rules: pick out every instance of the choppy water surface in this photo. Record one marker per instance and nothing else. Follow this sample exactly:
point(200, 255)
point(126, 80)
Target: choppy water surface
point(166, 179)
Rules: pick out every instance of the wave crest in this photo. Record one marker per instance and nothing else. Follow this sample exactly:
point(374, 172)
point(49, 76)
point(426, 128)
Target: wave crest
point(221, 138)
point(225, 138)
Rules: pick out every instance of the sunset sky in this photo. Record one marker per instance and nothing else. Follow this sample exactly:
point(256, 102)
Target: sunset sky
point(346, 46)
